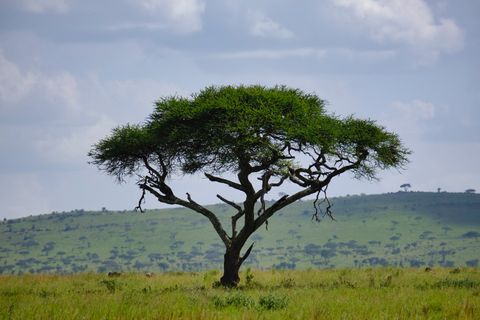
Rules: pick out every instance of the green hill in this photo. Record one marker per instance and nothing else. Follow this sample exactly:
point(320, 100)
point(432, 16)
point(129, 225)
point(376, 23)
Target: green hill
point(401, 229)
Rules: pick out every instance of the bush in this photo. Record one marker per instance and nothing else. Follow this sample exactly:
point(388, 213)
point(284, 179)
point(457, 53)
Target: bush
point(287, 283)
point(238, 300)
point(110, 284)
point(273, 302)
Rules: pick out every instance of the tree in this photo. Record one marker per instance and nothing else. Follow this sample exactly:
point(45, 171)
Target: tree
point(470, 191)
point(405, 186)
point(265, 136)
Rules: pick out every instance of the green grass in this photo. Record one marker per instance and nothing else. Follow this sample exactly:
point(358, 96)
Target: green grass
point(383, 293)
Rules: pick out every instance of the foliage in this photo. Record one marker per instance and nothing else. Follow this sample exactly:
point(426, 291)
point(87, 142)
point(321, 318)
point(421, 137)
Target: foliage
point(220, 126)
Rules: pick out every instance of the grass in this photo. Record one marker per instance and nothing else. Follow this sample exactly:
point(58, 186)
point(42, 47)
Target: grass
point(383, 293)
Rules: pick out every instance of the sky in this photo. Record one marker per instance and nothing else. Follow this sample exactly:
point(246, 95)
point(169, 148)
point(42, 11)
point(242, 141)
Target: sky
point(71, 71)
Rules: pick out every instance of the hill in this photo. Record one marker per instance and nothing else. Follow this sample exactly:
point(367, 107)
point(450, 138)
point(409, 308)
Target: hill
point(397, 229)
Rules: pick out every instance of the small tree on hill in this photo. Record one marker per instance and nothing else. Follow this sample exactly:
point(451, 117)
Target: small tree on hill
point(265, 136)
point(405, 186)
point(470, 191)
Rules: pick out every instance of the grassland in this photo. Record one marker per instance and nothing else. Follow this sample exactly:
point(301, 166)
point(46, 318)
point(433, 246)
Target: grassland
point(410, 229)
point(371, 293)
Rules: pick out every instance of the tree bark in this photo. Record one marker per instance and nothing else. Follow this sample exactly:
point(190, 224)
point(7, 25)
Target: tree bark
point(231, 266)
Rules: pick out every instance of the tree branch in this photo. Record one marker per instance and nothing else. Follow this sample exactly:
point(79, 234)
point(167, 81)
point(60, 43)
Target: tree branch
point(208, 214)
point(245, 256)
point(142, 198)
point(234, 223)
point(231, 203)
point(190, 204)
point(235, 217)
point(160, 177)
point(315, 186)
point(225, 181)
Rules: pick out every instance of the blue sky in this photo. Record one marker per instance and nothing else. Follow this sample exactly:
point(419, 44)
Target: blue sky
point(72, 70)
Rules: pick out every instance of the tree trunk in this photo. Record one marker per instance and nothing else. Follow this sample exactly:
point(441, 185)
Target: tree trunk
point(231, 265)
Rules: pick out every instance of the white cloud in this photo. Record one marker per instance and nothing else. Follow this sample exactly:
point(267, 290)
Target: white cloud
point(121, 101)
point(14, 85)
point(415, 110)
point(62, 88)
point(262, 26)
point(408, 22)
point(181, 15)
point(73, 147)
point(308, 52)
point(42, 6)
point(272, 54)
point(17, 85)
point(137, 26)
point(22, 194)
point(412, 120)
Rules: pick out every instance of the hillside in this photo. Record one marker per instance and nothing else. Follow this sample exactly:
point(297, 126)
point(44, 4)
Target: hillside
point(401, 229)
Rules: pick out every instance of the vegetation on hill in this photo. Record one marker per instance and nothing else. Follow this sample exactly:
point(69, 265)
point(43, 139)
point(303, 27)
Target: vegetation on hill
point(410, 229)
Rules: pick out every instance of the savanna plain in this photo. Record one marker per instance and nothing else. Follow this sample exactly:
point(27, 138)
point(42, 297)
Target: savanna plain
point(367, 293)
point(405, 255)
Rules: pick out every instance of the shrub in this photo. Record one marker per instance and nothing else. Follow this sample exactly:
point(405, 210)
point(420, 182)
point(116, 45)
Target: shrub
point(273, 302)
point(110, 284)
point(249, 277)
point(238, 300)
point(287, 283)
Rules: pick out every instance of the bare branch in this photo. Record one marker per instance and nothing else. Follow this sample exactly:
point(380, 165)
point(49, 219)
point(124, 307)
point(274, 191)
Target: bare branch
point(160, 177)
point(317, 203)
point(234, 223)
point(315, 186)
point(225, 181)
point(231, 203)
point(247, 253)
point(142, 198)
point(191, 204)
point(208, 214)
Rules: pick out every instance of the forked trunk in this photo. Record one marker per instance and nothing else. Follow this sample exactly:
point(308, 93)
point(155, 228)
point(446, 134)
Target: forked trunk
point(231, 266)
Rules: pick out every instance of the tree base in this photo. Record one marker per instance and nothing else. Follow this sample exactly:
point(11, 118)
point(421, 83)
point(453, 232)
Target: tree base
point(230, 282)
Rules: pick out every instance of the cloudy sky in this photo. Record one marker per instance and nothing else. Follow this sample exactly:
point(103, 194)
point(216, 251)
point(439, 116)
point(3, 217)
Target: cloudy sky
point(72, 70)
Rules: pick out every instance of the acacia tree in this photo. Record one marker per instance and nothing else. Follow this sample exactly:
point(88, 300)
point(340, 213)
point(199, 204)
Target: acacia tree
point(266, 137)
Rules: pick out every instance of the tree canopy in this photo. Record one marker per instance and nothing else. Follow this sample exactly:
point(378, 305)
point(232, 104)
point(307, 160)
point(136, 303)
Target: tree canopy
point(275, 135)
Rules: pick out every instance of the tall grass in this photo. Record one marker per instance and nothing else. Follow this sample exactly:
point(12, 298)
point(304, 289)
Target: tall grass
point(386, 293)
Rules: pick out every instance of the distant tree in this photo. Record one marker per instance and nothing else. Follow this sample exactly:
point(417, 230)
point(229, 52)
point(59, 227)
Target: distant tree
point(265, 136)
point(439, 190)
point(48, 247)
point(345, 252)
point(327, 254)
point(312, 249)
point(446, 229)
point(471, 234)
point(405, 186)
point(472, 263)
point(470, 191)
